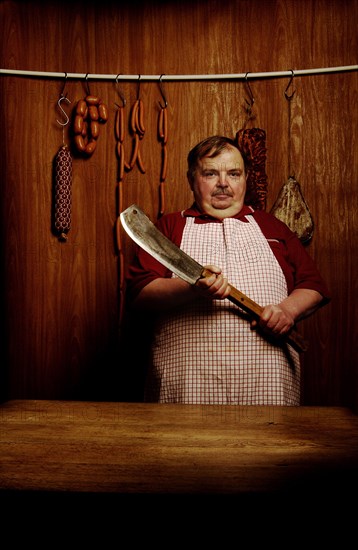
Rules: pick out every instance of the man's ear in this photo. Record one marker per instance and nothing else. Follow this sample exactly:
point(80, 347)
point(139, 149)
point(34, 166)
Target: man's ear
point(190, 179)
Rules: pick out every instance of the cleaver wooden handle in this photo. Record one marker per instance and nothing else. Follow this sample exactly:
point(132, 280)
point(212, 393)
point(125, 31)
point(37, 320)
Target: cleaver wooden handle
point(244, 302)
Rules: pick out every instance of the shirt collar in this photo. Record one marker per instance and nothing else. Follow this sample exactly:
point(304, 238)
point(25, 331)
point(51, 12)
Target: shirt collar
point(194, 211)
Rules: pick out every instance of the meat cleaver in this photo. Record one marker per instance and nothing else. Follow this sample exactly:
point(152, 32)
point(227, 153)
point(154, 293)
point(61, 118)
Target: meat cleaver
point(147, 236)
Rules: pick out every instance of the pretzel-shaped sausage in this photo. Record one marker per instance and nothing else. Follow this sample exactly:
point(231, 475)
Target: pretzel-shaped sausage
point(89, 114)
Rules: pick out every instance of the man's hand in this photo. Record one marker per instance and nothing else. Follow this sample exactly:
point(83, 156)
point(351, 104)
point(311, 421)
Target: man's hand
point(275, 319)
point(278, 319)
point(215, 287)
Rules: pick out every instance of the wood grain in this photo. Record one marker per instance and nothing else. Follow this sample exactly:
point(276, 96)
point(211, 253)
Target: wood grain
point(154, 449)
point(61, 300)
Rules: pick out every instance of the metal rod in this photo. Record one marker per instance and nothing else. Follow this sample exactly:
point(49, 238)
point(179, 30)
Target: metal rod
point(182, 77)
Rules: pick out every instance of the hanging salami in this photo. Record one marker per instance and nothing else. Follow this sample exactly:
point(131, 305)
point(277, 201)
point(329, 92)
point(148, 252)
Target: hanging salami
point(62, 182)
point(63, 192)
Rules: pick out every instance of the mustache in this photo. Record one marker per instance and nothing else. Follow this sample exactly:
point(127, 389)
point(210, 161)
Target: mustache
point(222, 191)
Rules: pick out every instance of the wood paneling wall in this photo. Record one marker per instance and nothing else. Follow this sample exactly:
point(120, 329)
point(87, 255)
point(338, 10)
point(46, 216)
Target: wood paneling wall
point(62, 335)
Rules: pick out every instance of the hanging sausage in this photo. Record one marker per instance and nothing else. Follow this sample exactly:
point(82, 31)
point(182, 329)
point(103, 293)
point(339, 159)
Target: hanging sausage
point(90, 112)
point(63, 184)
point(119, 132)
point(63, 192)
point(163, 138)
point(138, 131)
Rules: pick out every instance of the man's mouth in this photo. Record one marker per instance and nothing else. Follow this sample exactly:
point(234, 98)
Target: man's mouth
point(222, 194)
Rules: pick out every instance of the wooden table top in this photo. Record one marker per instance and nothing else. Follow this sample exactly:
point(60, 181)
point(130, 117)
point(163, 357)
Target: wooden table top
point(136, 448)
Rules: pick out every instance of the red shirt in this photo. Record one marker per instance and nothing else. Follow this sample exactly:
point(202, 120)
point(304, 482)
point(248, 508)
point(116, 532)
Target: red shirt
point(298, 267)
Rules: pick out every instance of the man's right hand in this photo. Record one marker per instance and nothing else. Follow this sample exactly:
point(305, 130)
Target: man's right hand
point(214, 286)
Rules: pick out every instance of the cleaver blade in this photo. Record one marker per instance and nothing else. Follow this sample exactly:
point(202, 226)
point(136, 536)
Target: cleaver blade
point(147, 236)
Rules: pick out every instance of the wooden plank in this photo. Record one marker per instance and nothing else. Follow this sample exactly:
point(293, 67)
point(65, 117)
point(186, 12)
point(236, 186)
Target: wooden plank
point(131, 448)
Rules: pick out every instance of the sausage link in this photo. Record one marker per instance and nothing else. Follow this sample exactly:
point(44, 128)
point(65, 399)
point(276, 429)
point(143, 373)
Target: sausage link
point(63, 192)
point(119, 205)
point(85, 128)
point(80, 143)
point(163, 174)
point(165, 125)
point(140, 162)
point(160, 124)
point(92, 100)
point(118, 234)
point(120, 153)
point(135, 151)
point(140, 117)
point(78, 124)
point(94, 127)
point(102, 112)
point(81, 108)
point(90, 147)
point(161, 199)
point(93, 112)
point(121, 125)
point(134, 116)
point(117, 124)
point(121, 164)
point(119, 149)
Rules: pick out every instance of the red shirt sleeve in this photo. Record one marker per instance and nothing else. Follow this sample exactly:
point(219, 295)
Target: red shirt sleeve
point(144, 267)
point(297, 265)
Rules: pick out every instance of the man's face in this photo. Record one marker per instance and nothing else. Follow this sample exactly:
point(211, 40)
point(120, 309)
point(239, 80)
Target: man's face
point(219, 184)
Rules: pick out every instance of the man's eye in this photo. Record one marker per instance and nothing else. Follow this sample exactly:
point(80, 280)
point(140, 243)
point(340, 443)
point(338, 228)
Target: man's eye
point(235, 174)
point(209, 174)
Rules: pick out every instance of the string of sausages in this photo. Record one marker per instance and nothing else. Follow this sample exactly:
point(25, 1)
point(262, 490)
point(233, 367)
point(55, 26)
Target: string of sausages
point(163, 138)
point(138, 131)
point(90, 113)
point(119, 132)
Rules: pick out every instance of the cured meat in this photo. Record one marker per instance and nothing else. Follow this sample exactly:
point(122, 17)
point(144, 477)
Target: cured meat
point(291, 208)
point(63, 192)
point(252, 142)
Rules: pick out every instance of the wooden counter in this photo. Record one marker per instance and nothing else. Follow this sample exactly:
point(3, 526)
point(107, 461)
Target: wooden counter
point(129, 448)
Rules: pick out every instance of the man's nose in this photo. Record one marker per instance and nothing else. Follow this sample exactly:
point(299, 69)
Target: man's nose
point(223, 178)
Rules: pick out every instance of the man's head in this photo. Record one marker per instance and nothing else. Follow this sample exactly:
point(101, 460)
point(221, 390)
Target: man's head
point(217, 176)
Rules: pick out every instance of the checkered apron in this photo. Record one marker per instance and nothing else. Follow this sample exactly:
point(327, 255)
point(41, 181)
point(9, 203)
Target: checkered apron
point(206, 352)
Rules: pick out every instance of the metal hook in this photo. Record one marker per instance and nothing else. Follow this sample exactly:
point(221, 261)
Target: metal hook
point(138, 86)
point(121, 95)
point(87, 85)
point(63, 87)
point(252, 99)
point(63, 98)
point(162, 92)
point(288, 85)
